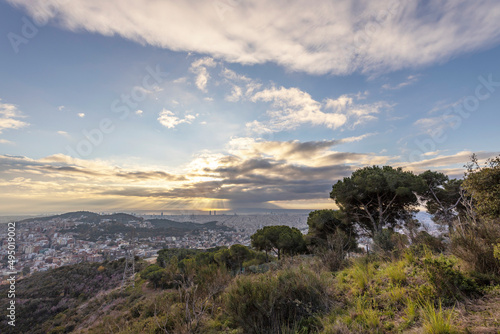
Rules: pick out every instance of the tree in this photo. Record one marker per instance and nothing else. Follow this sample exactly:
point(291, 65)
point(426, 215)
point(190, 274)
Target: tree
point(325, 223)
point(442, 197)
point(377, 197)
point(239, 254)
point(282, 239)
point(483, 185)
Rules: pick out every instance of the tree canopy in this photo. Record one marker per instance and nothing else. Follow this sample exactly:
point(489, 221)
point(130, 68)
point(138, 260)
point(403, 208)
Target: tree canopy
point(442, 197)
point(482, 183)
point(325, 223)
point(377, 197)
point(281, 239)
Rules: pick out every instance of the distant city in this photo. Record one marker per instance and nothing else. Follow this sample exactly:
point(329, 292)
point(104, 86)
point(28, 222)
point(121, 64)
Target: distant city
point(48, 242)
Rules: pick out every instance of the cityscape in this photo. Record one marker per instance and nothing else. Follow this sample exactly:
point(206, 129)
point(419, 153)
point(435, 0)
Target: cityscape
point(50, 242)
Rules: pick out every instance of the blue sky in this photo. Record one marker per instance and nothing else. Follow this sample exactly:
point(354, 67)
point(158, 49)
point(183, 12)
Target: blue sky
point(236, 105)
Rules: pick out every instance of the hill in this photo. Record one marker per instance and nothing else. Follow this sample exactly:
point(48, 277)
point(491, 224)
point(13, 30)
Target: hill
point(44, 297)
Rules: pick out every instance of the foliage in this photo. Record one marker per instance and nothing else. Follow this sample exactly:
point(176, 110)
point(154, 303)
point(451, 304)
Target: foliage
point(325, 223)
point(274, 301)
point(437, 321)
point(43, 295)
point(442, 197)
point(434, 243)
point(281, 239)
point(474, 242)
point(482, 183)
point(449, 283)
point(377, 197)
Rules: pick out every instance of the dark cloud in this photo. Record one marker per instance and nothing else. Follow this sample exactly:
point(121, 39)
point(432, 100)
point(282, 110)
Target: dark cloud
point(151, 175)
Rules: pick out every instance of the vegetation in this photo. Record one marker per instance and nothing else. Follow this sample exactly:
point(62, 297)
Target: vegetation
point(442, 197)
point(377, 197)
point(281, 239)
point(415, 282)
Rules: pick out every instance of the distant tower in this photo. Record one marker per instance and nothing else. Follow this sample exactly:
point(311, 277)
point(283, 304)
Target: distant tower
point(210, 213)
point(162, 213)
point(215, 213)
point(129, 271)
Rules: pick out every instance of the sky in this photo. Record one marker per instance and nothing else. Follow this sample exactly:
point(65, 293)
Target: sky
point(237, 106)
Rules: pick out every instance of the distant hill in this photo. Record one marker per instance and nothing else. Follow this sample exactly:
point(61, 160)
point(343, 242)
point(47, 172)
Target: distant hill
point(167, 223)
point(88, 217)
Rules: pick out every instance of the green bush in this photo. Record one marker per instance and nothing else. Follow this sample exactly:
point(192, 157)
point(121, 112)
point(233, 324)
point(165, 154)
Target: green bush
point(276, 302)
point(449, 283)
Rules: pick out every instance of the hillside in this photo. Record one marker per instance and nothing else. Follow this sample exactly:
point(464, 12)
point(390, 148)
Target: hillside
point(371, 295)
point(43, 297)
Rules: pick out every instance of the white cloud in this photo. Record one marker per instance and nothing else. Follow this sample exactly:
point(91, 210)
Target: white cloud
point(329, 37)
point(411, 79)
point(139, 112)
point(5, 141)
point(64, 134)
point(199, 67)
point(433, 125)
point(292, 108)
point(60, 108)
point(81, 115)
point(180, 80)
point(233, 76)
point(236, 94)
point(154, 89)
point(9, 117)
point(242, 87)
point(445, 161)
point(169, 120)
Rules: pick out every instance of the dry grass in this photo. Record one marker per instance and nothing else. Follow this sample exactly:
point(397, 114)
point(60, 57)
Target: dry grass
point(481, 315)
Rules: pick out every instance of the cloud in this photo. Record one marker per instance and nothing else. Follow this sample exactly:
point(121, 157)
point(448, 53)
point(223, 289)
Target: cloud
point(296, 152)
point(81, 115)
point(236, 94)
point(59, 182)
point(169, 120)
point(242, 87)
point(64, 134)
point(154, 89)
point(65, 168)
point(252, 174)
point(5, 141)
point(199, 67)
point(446, 163)
point(233, 76)
point(293, 108)
point(436, 125)
point(330, 37)
point(139, 112)
point(61, 108)
point(9, 117)
point(409, 81)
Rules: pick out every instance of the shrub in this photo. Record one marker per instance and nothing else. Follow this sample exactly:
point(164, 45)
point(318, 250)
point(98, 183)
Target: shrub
point(388, 243)
point(474, 242)
point(437, 321)
point(434, 244)
point(275, 302)
point(449, 283)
